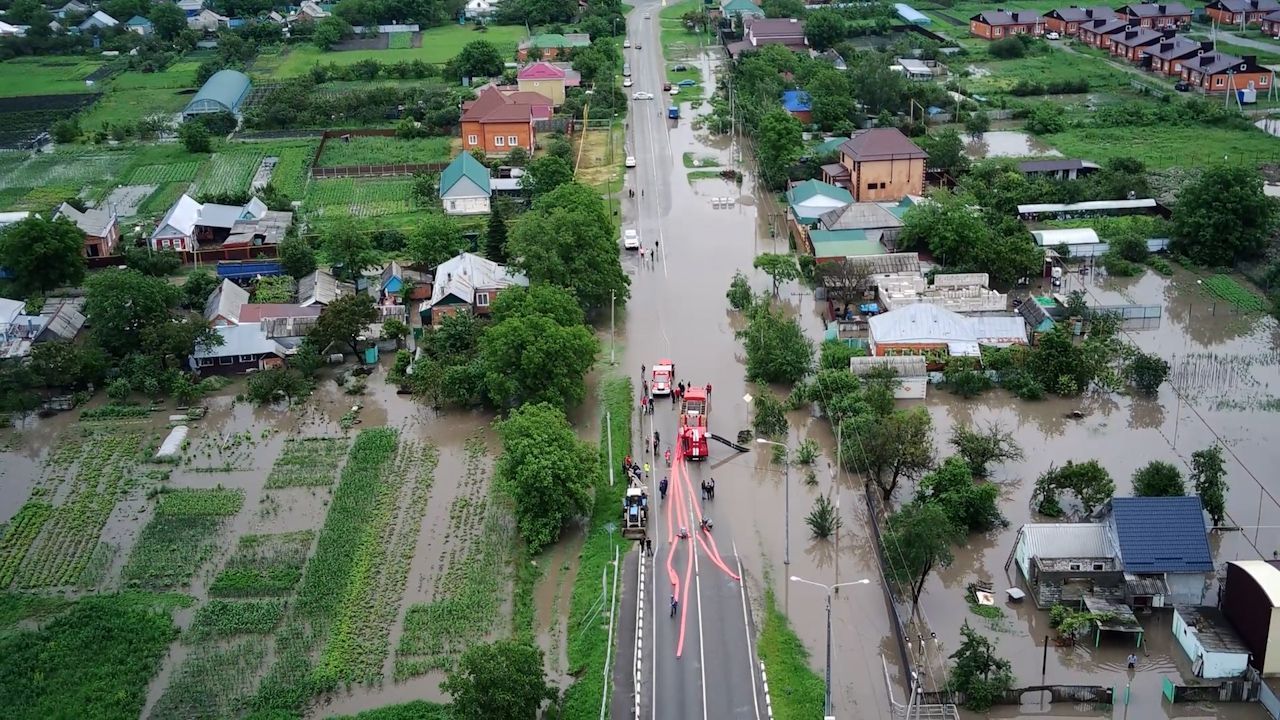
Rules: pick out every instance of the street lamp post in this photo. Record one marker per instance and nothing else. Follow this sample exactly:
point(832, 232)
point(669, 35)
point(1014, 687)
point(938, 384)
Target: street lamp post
point(786, 474)
point(828, 713)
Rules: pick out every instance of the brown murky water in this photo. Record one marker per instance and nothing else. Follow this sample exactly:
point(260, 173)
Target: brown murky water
point(1008, 143)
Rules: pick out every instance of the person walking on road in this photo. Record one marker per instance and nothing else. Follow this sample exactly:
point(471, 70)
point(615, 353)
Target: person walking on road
point(711, 489)
point(646, 471)
point(708, 389)
point(648, 546)
point(674, 604)
point(655, 442)
point(662, 487)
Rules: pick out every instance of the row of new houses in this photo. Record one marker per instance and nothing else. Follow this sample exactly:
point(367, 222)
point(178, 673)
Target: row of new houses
point(997, 24)
point(199, 17)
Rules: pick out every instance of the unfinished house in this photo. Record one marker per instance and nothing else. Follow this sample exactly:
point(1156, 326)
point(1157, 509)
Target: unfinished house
point(1065, 562)
point(958, 292)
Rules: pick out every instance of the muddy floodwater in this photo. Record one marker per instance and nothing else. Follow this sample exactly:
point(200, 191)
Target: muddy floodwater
point(1008, 143)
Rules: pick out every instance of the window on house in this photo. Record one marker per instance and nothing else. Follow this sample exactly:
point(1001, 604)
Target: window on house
point(1217, 81)
point(482, 299)
point(1099, 566)
point(244, 358)
point(1074, 566)
point(881, 186)
point(871, 186)
point(225, 360)
point(499, 141)
point(471, 139)
point(1262, 80)
point(512, 140)
point(453, 204)
point(205, 362)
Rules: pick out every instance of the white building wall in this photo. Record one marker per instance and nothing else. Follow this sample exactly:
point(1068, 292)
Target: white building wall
point(1185, 588)
point(1216, 664)
point(465, 205)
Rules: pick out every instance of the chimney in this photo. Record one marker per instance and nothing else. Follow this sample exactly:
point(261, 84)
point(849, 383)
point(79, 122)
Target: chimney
point(1205, 46)
point(1169, 34)
point(1250, 59)
point(1163, 9)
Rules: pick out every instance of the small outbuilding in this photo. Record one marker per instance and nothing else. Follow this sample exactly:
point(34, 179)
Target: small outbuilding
point(225, 91)
point(912, 378)
point(1211, 644)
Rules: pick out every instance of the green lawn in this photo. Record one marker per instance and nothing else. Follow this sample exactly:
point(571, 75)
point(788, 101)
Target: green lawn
point(130, 106)
point(439, 45)
point(676, 38)
point(1001, 75)
point(1266, 58)
point(400, 41)
point(690, 72)
point(1167, 147)
point(385, 150)
point(53, 75)
point(177, 76)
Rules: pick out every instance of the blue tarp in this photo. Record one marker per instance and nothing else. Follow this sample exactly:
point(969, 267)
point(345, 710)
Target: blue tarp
point(237, 270)
point(796, 101)
point(911, 15)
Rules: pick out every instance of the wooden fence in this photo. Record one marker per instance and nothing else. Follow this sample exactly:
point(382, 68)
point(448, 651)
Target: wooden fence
point(1241, 689)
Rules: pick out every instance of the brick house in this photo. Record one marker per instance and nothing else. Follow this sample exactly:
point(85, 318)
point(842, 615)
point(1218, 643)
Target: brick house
point(999, 24)
point(1131, 42)
point(1215, 72)
point(467, 283)
point(1159, 16)
point(1097, 33)
point(1166, 57)
point(1237, 12)
point(759, 31)
point(877, 165)
point(100, 227)
point(495, 122)
point(543, 78)
point(1271, 23)
point(1066, 21)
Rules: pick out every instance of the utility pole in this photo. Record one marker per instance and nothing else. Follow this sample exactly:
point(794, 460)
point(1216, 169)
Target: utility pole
point(613, 334)
point(828, 712)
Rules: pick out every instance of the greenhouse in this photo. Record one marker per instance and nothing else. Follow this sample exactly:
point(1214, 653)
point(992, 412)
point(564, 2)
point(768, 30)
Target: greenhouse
point(225, 91)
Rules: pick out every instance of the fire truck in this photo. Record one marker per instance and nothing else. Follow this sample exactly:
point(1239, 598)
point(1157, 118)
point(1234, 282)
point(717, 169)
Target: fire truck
point(694, 433)
point(663, 375)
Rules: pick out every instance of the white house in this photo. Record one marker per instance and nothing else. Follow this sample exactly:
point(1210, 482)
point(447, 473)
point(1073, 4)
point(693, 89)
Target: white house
point(178, 228)
point(7, 30)
point(464, 187)
point(74, 7)
point(910, 373)
point(206, 20)
point(99, 20)
point(1211, 644)
point(223, 306)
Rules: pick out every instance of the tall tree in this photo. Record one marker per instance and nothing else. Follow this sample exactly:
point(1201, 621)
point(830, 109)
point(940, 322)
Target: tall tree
point(67, 365)
point(195, 137)
point(1158, 479)
point(477, 59)
point(348, 248)
point(545, 174)
point(776, 346)
point(566, 239)
point(779, 267)
point(42, 254)
point(167, 20)
point(917, 539)
point(1223, 216)
point(297, 258)
point(344, 321)
point(121, 304)
point(436, 239)
point(501, 679)
point(981, 448)
point(546, 470)
point(197, 288)
point(538, 350)
point(1209, 477)
point(946, 151)
point(778, 146)
point(978, 673)
point(971, 506)
point(495, 238)
point(824, 27)
point(890, 448)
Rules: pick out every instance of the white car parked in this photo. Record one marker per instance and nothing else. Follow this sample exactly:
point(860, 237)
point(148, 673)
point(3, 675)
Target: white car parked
point(1052, 36)
point(626, 44)
point(675, 89)
point(626, 82)
point(642, 96)
point(631, 161)
point(631, 239)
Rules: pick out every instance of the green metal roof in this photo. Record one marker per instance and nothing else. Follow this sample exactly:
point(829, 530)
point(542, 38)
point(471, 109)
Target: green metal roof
point(556, 40)
point(843, 243)
point(810, 189)
point(464, 166)
point(827, 146)
point(745, 7)
point(223, 91)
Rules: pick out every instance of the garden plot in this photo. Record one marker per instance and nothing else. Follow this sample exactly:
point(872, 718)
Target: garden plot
point(214, 682)
point(290, 175)
point(126, 199)
point(166, 173)
point(307, 462)
point(70, 169)
point(473, 574)
point(86, 476)
point(264, 565)
point(181, 537)
point(384, 151)
point(217, 453)
point(229, 172)
point(361, 198)
point(336, 630)
point(226, 618)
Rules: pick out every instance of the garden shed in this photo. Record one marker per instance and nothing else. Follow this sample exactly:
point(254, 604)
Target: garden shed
point(225, 91)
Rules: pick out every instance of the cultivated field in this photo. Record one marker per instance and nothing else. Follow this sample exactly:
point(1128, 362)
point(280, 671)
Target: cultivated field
point(385, 151)
point(46, 75)
point(360, 197)
point(438, 45)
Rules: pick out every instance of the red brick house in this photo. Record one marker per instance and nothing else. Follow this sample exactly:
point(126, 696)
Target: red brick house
point(878, 165)
point(1130, 43)
point(1237, 12)
point(1271, 23)
point(760, 31)
point(1097, 33)
point(1000, 24)
point(1157, 15)
point(100, 228)
point(1066, 21)
point(495, 121)
point(1166, 57)
point(1215, 72)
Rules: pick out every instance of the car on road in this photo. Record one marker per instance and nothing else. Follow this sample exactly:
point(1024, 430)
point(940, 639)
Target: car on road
point(639, 46)
point(626, 44)
point(680, 68)
point(642, 95)
point(626, 82)
point(1052, 36)
point(687, 83)
point(631, 239)
point(666, 87)
point(631, 161)
point(675, 90)
point(646, 16)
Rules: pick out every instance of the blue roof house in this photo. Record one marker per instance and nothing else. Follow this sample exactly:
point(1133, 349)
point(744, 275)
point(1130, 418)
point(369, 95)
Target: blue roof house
point(138, 24)
point(1164, 549)
point(465, 187)
point(799, 103)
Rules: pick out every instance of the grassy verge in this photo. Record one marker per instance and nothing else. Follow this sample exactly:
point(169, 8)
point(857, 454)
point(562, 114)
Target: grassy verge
point(588, 628)
point(1164, 147)
point(693, 160)
point(697, 175)
point(690, 72)
point(416, 710)
point(677, 40)
point(796, 690)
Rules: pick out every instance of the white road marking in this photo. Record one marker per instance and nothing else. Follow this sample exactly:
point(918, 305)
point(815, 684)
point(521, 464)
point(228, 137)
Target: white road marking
point(746, 627)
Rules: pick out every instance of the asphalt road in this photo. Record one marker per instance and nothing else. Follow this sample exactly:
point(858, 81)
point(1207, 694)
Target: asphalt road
point(699, 663)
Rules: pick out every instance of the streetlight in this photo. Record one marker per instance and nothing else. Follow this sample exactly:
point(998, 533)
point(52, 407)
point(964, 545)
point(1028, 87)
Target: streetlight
point(828, 714)
point(786, 474)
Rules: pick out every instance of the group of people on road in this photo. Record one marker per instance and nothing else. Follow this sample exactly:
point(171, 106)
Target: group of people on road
point(634, 469)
